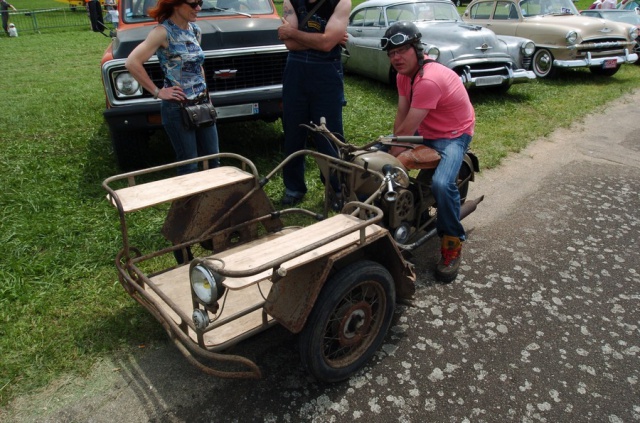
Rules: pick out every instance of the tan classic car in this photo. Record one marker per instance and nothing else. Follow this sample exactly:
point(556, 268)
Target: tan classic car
point(563, 38)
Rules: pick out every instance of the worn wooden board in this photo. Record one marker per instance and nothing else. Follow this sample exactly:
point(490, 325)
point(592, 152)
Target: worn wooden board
point(138, 197)
point(256, 256)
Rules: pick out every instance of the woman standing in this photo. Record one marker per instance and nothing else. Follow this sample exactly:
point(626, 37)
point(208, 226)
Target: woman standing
point(176, 42)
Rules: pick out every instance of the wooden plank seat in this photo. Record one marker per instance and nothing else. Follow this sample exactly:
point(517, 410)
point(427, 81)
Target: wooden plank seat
point(137, 197)
point(249, 260)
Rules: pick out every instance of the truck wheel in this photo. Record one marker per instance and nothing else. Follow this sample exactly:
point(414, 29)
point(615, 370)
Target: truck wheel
point(348, 322)
point(130, 149)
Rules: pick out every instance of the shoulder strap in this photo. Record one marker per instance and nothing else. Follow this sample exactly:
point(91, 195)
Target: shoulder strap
point(311, 12)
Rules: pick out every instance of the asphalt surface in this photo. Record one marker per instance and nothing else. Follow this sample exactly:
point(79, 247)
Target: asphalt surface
point(542, 325)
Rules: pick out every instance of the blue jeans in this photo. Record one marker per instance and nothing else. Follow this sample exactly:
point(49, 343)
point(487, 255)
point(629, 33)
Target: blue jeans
point(188, 143)
point(311, 89)
point(444, 186)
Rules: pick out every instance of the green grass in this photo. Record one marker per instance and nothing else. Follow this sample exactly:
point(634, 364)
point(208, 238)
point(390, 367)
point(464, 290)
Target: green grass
point(61, 307)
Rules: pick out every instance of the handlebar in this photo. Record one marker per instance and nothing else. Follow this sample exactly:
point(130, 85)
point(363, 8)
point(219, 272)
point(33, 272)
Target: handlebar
point(389, 139)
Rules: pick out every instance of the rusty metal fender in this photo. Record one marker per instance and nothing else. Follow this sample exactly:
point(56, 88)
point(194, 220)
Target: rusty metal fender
point(293, 296)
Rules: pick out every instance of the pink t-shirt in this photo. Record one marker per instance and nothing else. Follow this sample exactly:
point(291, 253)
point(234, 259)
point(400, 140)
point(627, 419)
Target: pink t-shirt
point(441, 92)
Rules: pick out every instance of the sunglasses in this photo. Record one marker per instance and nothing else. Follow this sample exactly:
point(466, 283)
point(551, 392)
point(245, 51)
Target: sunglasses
point(395, 40)
point(194, 4)
point(398, 51)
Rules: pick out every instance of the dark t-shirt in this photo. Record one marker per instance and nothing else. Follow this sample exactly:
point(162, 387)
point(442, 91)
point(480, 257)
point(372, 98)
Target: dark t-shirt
point(317, 22)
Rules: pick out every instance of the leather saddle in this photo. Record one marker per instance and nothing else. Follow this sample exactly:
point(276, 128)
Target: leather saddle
point(416, 157)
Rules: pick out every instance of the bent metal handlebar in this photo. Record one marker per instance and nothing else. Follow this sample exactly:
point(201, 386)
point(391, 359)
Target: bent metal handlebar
point(389, 139)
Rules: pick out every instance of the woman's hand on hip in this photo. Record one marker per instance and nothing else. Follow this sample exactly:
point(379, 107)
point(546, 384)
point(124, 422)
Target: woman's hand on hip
point(172, 93)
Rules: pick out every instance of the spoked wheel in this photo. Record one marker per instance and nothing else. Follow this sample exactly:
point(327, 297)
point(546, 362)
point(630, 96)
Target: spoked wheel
point(348, 322)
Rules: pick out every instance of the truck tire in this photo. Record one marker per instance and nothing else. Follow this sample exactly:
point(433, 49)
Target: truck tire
point(348, 322)
point(130, 149)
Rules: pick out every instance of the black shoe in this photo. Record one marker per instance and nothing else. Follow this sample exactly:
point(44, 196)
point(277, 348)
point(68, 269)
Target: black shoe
point(290, 200)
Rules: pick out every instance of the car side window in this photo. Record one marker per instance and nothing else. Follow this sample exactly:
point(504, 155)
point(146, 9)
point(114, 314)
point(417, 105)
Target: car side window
point(502, 10)
point(482, 10)
point(357, 19)
point(505, 10)
point(374, 17)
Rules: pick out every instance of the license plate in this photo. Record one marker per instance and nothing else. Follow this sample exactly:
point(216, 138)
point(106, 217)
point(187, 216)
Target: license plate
point(238, 110)
point(610, 64)
point(484, 81)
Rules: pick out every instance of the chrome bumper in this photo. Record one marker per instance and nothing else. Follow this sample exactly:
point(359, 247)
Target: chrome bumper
point(589, 61)
point(514, 76)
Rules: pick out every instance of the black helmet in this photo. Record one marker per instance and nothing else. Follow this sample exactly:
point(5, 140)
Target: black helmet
point(399, 34)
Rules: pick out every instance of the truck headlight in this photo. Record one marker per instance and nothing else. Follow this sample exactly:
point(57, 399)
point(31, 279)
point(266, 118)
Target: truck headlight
point(206, 285)
point(528, 47)
point(126, 85)
point(633, 32)
point(571, 37)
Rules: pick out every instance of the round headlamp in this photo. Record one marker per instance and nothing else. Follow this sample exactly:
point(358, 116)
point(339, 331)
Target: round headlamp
point(633, 32)
point(571, 37)
point(434, 52)
point(126, 85)
point(528, 47)
point(206, 285)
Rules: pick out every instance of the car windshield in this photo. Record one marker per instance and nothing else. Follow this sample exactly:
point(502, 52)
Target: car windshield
point(547, 7)
point(137, 10)
point(422, 11)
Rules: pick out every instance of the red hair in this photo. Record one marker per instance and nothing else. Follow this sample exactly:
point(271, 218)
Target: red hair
point(164, 9)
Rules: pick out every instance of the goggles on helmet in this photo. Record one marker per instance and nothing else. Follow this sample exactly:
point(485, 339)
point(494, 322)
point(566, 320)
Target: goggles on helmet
point(395, 40)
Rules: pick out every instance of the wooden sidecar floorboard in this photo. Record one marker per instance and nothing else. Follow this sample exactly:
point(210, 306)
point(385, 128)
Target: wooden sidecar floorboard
point(176, 285)
point(249, 291)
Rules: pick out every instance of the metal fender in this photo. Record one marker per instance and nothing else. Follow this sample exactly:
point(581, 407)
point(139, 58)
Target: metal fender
point(293, 296)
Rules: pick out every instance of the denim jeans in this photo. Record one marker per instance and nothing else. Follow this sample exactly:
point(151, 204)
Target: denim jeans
point(444, 186)
point(188, 143)
point(311, 89)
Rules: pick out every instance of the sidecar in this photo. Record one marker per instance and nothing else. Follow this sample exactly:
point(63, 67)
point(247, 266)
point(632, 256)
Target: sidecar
point(211, 258)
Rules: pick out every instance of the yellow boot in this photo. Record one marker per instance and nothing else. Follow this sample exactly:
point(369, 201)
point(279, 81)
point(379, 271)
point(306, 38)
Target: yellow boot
point(451, 255)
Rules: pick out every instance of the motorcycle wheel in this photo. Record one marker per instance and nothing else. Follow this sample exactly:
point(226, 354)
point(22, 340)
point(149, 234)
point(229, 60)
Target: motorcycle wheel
point(348, 322)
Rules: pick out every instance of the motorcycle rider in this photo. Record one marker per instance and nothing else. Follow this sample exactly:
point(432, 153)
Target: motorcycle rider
point(433, 103)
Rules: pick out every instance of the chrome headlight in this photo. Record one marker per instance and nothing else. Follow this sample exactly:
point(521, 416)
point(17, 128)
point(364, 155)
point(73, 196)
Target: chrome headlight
point(396, 175)
point(126, 85)
point(633, 32)
point(434, 53)
point(206, 285)
point(527, 48)
point(571, 37)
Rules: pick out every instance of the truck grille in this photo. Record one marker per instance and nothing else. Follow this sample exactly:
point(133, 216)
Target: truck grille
point(251, 71)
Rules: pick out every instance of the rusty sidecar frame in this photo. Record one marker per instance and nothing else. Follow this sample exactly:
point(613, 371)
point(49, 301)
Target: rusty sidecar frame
point(334, 281)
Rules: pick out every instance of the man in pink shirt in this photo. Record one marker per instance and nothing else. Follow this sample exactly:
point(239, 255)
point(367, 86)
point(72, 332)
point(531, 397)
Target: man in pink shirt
point(433, 103)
